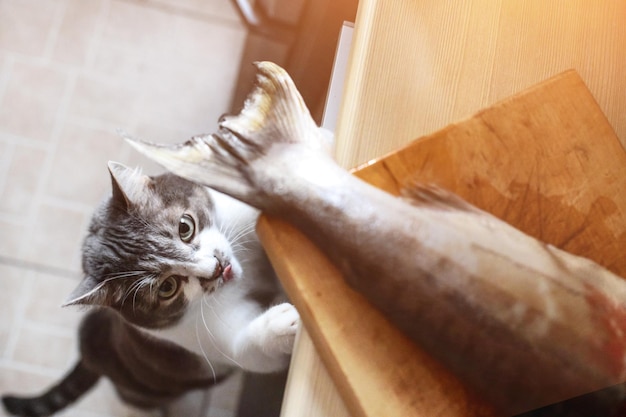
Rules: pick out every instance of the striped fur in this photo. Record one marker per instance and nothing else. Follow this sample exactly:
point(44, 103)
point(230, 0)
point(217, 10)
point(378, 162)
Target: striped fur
point(180, 292)
point(78, 381)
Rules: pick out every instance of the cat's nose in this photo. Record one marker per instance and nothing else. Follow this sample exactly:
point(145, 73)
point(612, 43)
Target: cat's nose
point(217, 271)
point(206, 268)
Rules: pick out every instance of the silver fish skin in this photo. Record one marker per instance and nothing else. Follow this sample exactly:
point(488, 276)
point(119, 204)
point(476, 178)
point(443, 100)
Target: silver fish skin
point(521, 322)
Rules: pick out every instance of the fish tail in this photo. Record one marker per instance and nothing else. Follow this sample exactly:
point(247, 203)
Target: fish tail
point(233, 160)
point(274, 112)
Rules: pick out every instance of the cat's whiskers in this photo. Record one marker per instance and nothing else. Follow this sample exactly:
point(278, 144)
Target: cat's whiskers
point(226, 230)
point(237, 238)
point(222, 228)
point(138, 272)
point(243, 232)
point(244, 235)
point(242, 251)
point(206, 357)
point(132, 289)
point(148, 280)
point(232, 233)
point(121, 275)
point(216, 298)
point(210, 334)
point(242, 244)
point(127, 274)
point(216, 301)
point(142, 283)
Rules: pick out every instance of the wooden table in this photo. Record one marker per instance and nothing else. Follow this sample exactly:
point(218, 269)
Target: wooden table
point(415, 67)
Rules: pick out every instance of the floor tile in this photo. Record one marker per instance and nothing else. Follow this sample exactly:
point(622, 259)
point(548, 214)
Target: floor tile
point(40, 348)
point(45, 299)
point(103, 400)
point(79, 171)
point(77, 31)
point(208, 46)
point(136, 24)
point(197, 94)
point(120, 61)
point(56, 236)
point(12, 237)
point(222, 9)
point(6, 153)
point(30, 103)
point(189, 101)
point(12, 282)
point(21, 382)
point(25, 25)
point(183, 67)
point(5, 69)
point(104, 100)
point(23, 173)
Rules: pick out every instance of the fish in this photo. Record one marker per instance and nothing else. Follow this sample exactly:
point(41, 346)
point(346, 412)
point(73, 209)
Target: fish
point(522, 322)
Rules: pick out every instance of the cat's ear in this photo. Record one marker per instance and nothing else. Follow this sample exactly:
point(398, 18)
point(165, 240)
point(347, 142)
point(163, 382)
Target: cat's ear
point(88, 292)
point(128, 184)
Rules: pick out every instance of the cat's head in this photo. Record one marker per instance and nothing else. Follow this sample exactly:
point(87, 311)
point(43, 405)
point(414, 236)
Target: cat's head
point(153, 248)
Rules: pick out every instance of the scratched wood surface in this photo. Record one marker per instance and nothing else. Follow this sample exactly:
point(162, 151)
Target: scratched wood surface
point(547, 161)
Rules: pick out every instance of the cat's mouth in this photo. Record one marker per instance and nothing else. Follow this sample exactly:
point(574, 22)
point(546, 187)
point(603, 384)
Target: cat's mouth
point(223, 271)
point(226, 272)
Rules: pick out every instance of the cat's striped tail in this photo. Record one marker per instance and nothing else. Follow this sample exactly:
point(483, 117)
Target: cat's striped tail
point(77, 382)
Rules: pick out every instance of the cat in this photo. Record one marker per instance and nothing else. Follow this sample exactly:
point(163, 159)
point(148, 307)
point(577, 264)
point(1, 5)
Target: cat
point(180, 291)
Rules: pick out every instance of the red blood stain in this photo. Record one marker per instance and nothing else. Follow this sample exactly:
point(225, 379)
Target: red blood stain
point(611, 323)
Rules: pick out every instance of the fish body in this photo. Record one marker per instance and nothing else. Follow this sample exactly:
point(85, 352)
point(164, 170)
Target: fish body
point(523, 323)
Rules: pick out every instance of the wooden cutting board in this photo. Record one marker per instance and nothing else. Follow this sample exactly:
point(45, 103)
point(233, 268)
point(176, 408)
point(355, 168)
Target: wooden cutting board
point(547, 161)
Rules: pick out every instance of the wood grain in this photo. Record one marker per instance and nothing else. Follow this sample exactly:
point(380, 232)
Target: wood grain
point(417, 66)
point(310, 391)
point(546, 161)
point(377, 370)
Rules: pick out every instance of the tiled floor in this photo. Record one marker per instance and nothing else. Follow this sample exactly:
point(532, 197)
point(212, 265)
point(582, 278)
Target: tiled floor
point(71, 72)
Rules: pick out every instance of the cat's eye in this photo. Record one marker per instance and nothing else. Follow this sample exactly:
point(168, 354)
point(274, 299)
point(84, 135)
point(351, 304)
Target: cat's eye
point(186, 228)
point(168, 288)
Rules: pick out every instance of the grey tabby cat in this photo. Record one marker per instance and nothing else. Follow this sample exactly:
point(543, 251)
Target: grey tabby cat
point(182, 292)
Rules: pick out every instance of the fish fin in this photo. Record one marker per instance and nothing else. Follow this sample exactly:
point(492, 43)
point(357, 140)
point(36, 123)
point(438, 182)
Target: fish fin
point(273, 113)
point(435, 197)
point(199, 159)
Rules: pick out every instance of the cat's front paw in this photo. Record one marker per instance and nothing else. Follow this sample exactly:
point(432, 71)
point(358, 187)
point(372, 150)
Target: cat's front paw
point(275, 330)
